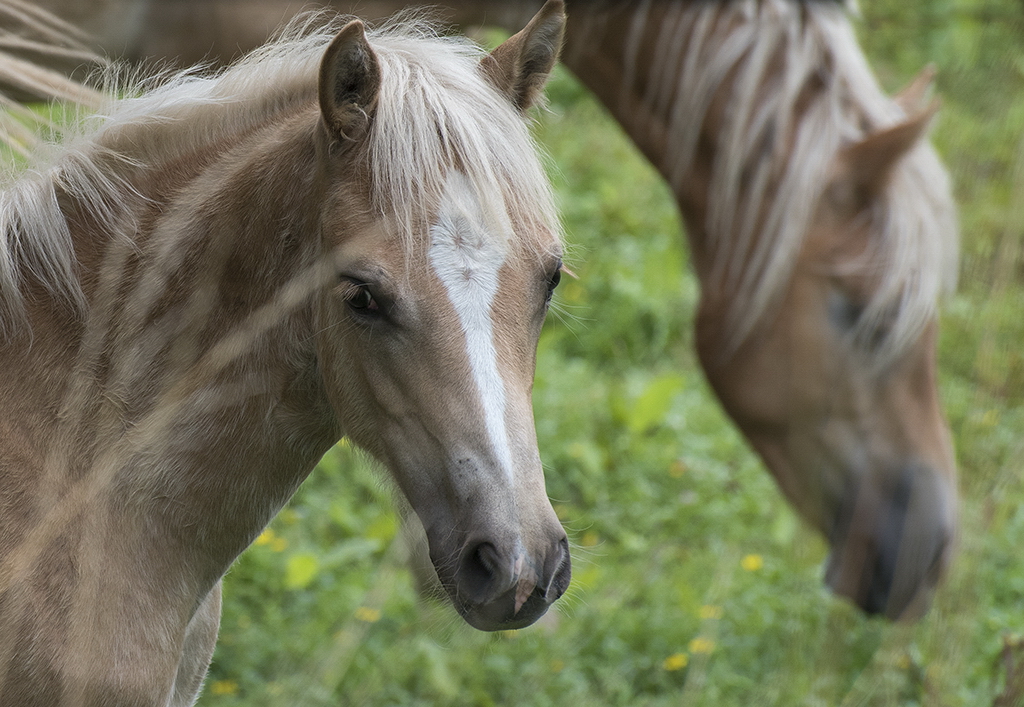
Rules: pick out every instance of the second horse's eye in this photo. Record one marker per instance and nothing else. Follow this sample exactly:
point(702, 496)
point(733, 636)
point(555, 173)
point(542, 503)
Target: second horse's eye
point(361, 299)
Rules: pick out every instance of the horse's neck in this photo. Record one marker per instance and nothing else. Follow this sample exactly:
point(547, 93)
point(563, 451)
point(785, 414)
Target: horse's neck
point(613, 48)
point(185, 400)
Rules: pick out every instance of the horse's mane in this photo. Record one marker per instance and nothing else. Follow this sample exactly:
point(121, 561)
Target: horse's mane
point(435, 111)
point(761, 196)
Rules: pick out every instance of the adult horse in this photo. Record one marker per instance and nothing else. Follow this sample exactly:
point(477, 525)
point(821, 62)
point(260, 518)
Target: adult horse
point(822, 229)
point(341, 235)
point(820, 224)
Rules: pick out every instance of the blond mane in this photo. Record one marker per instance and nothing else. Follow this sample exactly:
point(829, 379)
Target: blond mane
point(436, 112)
point(762, 197)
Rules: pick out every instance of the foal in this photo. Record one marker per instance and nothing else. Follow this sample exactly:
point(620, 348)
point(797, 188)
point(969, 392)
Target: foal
point(341, 235)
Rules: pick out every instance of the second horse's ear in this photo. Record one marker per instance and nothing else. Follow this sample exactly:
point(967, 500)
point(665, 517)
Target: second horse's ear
point(349, 83)
point(520, 66)
point(864, 168)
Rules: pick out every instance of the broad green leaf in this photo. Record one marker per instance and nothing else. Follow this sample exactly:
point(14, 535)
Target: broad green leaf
point(650, 408)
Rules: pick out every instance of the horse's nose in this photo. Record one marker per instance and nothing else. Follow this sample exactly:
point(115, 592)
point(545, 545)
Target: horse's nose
point(507, 587)
point(891, 551)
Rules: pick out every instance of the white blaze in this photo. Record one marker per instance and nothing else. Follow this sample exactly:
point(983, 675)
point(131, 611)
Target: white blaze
point(468, 260)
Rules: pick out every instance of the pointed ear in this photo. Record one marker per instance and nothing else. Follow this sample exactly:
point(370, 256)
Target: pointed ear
point(349, 82)
point(864, 168)
point(519, 67)
point(911, 97)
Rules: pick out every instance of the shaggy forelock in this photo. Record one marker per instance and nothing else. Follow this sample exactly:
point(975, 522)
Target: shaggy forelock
point(762, 197)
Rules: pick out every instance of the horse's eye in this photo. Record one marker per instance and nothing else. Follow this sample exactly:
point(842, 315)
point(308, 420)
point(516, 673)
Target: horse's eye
point(361, 299)
point(843, 311)
point(553, 281)
point(869, 328)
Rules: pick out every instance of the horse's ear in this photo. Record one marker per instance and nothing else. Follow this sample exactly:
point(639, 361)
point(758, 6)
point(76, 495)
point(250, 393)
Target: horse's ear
point(911, 97)
point(349, 82)
point(865, 167)
point(519, 67)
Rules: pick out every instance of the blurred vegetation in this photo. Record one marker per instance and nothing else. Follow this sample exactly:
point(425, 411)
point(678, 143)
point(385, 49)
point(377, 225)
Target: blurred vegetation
point(694, 584)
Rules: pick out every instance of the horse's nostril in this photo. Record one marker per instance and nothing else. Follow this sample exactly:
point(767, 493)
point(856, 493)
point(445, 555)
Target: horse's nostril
point(879, 585)
point(558, 571)
point(480, 570)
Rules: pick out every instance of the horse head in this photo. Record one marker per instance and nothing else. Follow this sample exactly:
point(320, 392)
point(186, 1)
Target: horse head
point(445, 251)
point(836, 388)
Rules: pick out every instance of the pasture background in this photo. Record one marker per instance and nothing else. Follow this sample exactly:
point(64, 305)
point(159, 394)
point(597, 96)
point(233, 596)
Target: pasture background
point(693, 581)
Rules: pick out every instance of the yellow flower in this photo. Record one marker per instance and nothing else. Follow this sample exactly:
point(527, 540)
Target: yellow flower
point(224, 687)
point(589, 539)
point(752, 563)
point(265, 538)
point(677, 468)
point(701, 645)
point(710, 611)
point(557, 666)
point(278, 544)
point(903, 662)
point(676, 661)
point(368, 614)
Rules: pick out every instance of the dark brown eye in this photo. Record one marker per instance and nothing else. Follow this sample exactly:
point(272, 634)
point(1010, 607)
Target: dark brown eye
point(553, 281)
point(361, 299)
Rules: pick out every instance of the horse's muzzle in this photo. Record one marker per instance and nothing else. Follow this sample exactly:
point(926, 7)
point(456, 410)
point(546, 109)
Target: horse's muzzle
point(495, 589)
point(891, 544)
